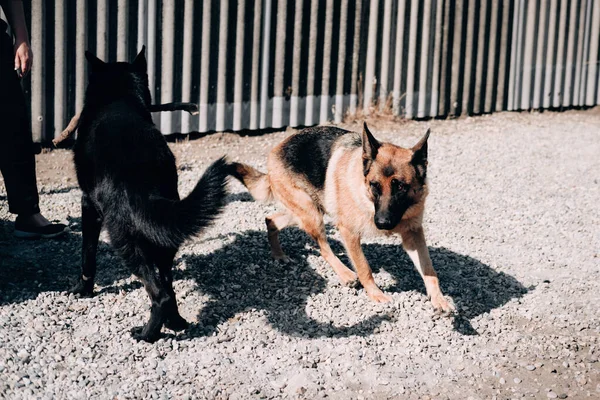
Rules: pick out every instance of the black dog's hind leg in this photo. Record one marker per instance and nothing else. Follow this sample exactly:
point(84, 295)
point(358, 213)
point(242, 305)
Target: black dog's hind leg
point(164, 261)
point(91, 224)
point(138, 257)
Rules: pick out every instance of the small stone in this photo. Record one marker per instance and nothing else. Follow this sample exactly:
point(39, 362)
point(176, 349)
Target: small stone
point(301, 390)
point(530, 367)
point(517, 380)
point(502, 381)
point(562, 396)
point(551, 395)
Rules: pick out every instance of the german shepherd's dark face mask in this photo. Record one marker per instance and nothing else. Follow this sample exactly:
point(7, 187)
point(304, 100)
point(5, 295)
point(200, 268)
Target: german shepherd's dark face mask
point(395, 177)
point(108, 81)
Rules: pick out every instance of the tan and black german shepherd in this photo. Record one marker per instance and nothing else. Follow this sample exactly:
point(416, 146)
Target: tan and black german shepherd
point(368, 188)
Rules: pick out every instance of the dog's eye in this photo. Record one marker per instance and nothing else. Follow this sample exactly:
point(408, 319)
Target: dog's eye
point(399, 186)
point(375, 188)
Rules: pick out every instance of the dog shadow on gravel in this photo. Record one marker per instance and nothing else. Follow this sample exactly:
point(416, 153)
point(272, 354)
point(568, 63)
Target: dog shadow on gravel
point(241, 276)
point(476, 288)
point(30, 267)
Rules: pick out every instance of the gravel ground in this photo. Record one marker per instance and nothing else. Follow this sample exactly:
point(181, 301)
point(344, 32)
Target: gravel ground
point(513, 229)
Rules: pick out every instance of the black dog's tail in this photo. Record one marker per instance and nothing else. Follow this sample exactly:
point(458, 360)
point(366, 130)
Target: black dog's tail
point(169, 223)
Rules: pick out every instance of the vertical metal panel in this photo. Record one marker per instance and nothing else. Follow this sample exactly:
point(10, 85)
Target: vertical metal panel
point(339, 85)
point(504, 62)
point(385, 53)
point(312, 55)
point(539, 56)
point(80, 48)
point(167, 62)
point(60, 66)
point(491, 58)
point(480, 57)
point(550, 56)
point(425, 44)
point(470, 45)
point(280, 37)
point(399, 56)
point(38, 72)
point(152, 50)
point(123, 30)
point(412, 61)
point(256, 41)
point(586, 50)
point(294, 106)
point(582, 56)
point(188, 46)
point(239, 67)
point(326, 67)
point(592, 78)
point(222, 66)
point(371, 54)
point(560, 57)
point(355, 58)
point(142, 25)
point(457, 46)
point(446, 51)
point(436, 58)
point(579, 54)
point(528, 56)
point(264, 76)
point(204, 66)
point(102, 12)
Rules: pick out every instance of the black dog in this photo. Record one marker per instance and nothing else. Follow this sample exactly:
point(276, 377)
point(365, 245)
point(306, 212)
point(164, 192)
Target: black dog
point(129, 181)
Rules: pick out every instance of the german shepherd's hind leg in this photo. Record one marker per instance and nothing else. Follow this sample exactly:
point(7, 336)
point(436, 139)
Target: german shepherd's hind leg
point(275, 223)
point(413, 241)
point(91, 224)
point(164, 261)
point(365, 276)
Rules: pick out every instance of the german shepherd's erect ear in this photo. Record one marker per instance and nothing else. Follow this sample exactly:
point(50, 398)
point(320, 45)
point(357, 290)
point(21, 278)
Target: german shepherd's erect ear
point(370, 147)
point(95, 62)
point(139, 63)
point(419, 158)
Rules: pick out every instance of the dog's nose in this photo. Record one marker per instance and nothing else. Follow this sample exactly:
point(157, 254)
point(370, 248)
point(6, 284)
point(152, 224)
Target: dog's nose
point(383, 222)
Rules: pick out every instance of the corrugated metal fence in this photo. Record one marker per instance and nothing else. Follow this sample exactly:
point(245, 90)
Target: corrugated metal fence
point(274, 63)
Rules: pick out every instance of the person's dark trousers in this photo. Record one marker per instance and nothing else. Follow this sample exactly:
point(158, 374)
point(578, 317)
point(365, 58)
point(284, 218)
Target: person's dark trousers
point(17, 159)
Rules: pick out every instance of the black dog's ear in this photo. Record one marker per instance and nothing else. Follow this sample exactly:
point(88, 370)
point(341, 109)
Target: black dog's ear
point(419, 158)
point(140, 63)
point(95, 62)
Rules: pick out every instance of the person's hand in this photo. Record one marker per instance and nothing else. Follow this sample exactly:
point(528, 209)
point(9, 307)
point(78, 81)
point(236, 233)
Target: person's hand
point(23, 58)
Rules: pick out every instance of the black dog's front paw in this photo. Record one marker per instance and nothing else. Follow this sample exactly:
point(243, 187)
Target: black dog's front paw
point(138, 334)
point(176, 323)
point(84, 288)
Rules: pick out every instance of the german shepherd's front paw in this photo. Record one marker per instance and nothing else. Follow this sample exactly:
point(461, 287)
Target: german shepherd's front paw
point(138, 334)
point(84, 288)
point(442, 306)
point(176, 323)
point(348, 278)
point(378, 296)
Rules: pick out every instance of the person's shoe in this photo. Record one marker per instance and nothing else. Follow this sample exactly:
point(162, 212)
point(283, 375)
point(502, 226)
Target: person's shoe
point(25, 230)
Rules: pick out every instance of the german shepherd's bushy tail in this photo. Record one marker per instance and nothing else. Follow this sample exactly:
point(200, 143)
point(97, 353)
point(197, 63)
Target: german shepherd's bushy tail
point(256, 182)
point(169, 223)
